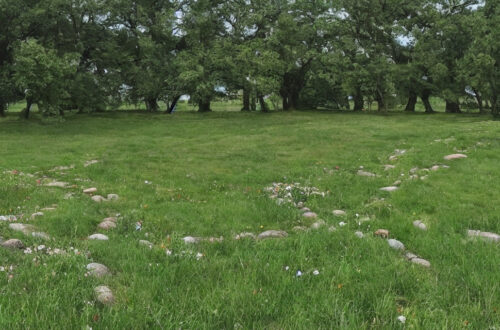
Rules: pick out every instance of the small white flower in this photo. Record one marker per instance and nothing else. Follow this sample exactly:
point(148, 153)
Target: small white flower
point(28, 251)
point(402, 319)
point(342, 224)
point(41, 247)
point(316, 272)
point(357, 215)
point(2, 269)
point(199, 256)
point(287, 268)
point(299, 273)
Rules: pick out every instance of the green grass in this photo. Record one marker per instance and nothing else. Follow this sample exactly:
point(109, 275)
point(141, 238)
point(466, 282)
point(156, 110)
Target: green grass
point(208, 174)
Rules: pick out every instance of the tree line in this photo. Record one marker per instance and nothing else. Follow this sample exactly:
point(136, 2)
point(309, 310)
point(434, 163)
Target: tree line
point(92, 54)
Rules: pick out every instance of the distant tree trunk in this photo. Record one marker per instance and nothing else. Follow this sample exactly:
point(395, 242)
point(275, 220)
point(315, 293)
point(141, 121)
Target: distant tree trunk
point(380, 101)
point(253, 103)
point(263, 104)
point(246, 100)
point(425, 100)
point(29, 102)
point(412, 101)
point(204, 106)
point(173, 104)
point(61, 112)
point(358, 100)
point(3, 106)
point(151, 104)
point(346, 103)
point(495, 110)
point(285, 102)
point(452, 107)
point(479, 100)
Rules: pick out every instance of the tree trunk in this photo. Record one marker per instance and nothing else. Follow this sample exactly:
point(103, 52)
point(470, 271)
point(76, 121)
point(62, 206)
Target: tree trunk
point(263, 104)
point(253, 103)
point(495, 109)
point(204, 106)
point(358, 100)
point(29, 102)
point(479, 100)
point(380, 101)
point(452, 107)
point(173, 104)
point(246, 100)
point(2, 109)
point(425, 100)
point(151, 104)
point(412, 101)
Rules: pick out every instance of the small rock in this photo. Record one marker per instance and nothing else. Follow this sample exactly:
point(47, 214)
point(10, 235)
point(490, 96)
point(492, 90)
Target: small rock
point(359, 234)
point(272, 234)
point(299, 228)
point(57, 184)
point(395, 244)
point(98, 198)
point(389, 189)
point(104, 295)
point(397, 183)
point(245, 235)
point(425, 177)
point(389, 167)
point(147, 243)
point(384, 233)
point(90, 191)
point(485, 235)
point(365, 173)
point(13, 244)
point(339, 213)
point(414, 177)
point(215, 239)
point(62, 168)
point(25, 229)
point(69, 195)
point(107, 225)
point(414, 170)
point(455, 156)
point(191, 240)
point(305, 210)
point(419, 224)
point(112, 219)
point(318, 224)
point(37, 214)
point(393, 158)
point(98, 270)
point(310, 215)
point(113, 197)
point(402, 319)
point(342, 224)
point(90, 162)
point(98, 237)
point(435, 168)
point(39, 234)
point(421, 262)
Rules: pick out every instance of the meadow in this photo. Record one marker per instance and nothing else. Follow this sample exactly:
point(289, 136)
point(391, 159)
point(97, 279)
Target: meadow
point(211, 176)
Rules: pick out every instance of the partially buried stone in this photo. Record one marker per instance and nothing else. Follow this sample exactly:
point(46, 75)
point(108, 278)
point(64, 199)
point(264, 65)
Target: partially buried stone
point(245, 235)
point(365, 173)
point(37, 214)
point(485, 235)
point(191, 240)
point(98, 237)
point(305, 210)
point(13, 244)
point(57, 184)
point(419, 224)
point(339, 213)
point(112, 197)
point(389, 189)
point(421, 262)
point(41, 235)
point(384, 233)
point(318, 224)
point(104, 295)
point(389, 167)
point(359, 234)
point(98, 198)
point(272, 234)
point(107, 225)
point(299, 228)
point(98, 270)
point(410, 256)
point(435, 168)
point(90, 191)
point(25, 229)
point(455, 156)
point(112, 219)
point(395, 244)
point(310, 215)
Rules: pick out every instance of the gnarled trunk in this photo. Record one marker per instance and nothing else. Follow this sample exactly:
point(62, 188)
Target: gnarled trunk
point(452, 107)
point(151, 104)
point(204, 106)
point(412, 101)
point(425, 100)
point(263, 104)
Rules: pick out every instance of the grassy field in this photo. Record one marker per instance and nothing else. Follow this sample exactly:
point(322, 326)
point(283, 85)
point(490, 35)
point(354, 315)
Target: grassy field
point(205, 175)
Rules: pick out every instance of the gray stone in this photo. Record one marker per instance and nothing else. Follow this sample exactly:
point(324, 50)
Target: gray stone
point(410, 256)
point(48, 209)
point(305, 210)
point(37, 214)
point(272, 234)
point(104, 295)
point(98, 237)
point(339, 213)
point(485, 235)
point(419, 224)
point(395, 244)
point(245, 235)
point(359, 234)
point(98, 198)
point(389, 189)
point(310, 215)
point(414, 170)
point(107, 225)
point(98, 270)
point(421, 262)
point(113, 197)
point(90, 191)
point(8, 218)
point(146, 243)
point(455, 156)
point(42, 235)
point(25, 229)
point(365, 173)
point(57, 184)
point(318, 224)
point(384, 233)
point(299, 228)
point(112, 219)
point(192, 240)
point(435, 168)
point(13, 244)
point(397, 183)
point(389, 167)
